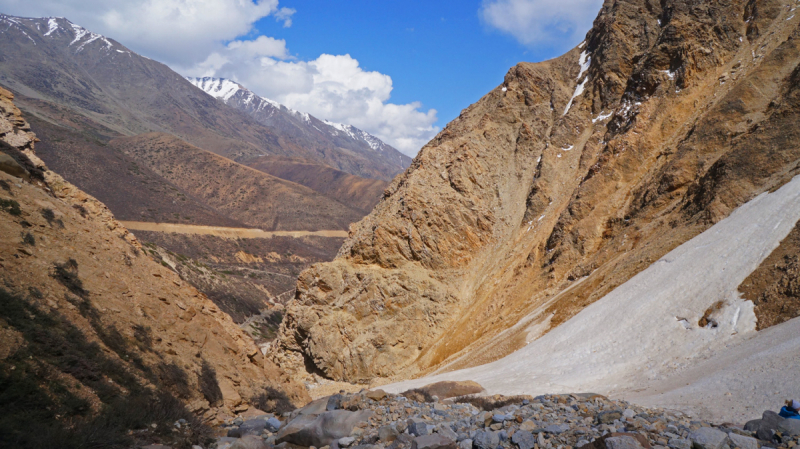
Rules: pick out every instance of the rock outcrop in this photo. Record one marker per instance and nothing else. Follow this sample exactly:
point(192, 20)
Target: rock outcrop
point(556, 187)
point(90, 316)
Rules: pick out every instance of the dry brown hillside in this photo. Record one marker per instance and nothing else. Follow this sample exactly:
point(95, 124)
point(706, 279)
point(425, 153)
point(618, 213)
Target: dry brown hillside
point(96, 337)
point(242, 193)
point(556, 187)
point(360, 193)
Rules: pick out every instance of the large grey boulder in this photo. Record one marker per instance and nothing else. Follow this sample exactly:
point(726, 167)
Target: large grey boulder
point(768, 425)
point(608, 417)
point(387, 433)
point(323, 429)
point(524, 439)
point(249, 442)
point(252, 427)
point(742, 441)
point(679, 443)
point(708, 438)
point(417, 427)
point(789, 427)
point(485, 439)
point(273, 424)
point(622, 442)
point(434, 441)
point(556, 428)
point(314, 407)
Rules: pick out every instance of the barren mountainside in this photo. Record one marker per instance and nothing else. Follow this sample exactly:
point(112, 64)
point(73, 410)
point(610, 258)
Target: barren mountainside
point(558, 186)
point(90, 326)
point(154, 148)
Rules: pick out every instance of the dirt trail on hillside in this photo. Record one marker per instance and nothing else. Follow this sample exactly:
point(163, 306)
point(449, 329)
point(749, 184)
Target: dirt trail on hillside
point(244, 233)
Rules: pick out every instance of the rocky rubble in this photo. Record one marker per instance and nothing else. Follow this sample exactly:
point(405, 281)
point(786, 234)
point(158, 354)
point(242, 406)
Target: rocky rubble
point(375, 419)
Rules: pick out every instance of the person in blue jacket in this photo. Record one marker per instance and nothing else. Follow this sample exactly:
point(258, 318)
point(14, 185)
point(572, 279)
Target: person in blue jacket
point(791, 409)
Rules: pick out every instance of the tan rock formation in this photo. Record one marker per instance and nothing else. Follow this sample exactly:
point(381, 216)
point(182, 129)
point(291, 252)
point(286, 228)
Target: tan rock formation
point(64, 254)
point(556, 187)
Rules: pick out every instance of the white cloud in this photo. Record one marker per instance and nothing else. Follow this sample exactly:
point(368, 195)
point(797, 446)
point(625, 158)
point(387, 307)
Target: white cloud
point(261, 46)
point(331, 87)
point(561, 23)
point(285, 14)
point(172, 31)
point(205, 38)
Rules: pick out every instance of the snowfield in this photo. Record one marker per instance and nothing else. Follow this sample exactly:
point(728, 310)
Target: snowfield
point(642, 341)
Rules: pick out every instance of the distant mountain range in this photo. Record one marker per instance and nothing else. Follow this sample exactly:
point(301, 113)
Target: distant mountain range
point(154, 148)
point(303, 128)
point(73, 81)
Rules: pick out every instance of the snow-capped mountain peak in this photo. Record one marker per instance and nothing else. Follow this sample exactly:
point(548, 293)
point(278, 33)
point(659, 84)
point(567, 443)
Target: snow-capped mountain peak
point(57, 27)
point(272, 113)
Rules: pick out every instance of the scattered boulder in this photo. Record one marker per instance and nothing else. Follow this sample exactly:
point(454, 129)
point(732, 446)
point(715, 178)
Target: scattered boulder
point(708, 438)
point(524, 439)
point(387, 434)
point(789, 427)
point(249, 442)
point(376, 395)
point(485, 439)
point(622, 442)
point(742, 441)
point(679, 443)
point(768, 425)
point(251, 427)
point(556, 428)
point(433, 442)
point(608, 417)
point(446, 432)
point(449, 389)
point(314, 407)
point(346, 441)
point(334, 402)
point(417, 427)
point(322, 429)
point(273, 424)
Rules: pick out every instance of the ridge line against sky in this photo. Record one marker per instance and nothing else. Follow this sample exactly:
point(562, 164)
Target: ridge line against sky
point(398, 70)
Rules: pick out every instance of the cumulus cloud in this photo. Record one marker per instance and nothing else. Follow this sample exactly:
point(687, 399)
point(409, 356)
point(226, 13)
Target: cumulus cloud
point(205, 38)
point(285, 15)
point(560, 23)
point(173, 31)
point(331, 87)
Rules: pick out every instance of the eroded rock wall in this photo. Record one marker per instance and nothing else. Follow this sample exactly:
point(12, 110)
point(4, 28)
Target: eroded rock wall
point(559, 185)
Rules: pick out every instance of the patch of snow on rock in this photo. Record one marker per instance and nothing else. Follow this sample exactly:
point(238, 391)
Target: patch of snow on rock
point(52, 24)
point(578, 90)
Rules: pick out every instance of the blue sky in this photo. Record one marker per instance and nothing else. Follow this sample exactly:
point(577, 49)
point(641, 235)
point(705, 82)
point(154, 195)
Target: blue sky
point(397, 69)
point(439, 53)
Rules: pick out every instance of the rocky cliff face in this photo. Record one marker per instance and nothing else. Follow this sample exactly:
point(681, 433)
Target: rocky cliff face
point(92, 318)
point(559, 185)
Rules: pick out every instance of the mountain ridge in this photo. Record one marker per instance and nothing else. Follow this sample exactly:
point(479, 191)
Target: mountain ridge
point(305, 129)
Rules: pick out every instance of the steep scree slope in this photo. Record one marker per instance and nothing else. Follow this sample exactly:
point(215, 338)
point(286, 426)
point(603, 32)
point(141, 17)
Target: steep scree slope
point(558, 186)
point(111, 322)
